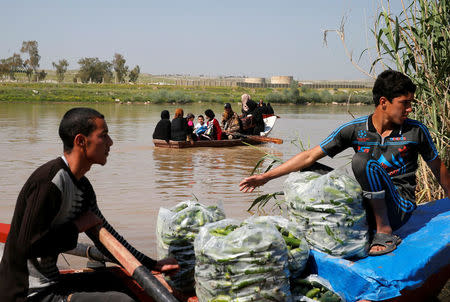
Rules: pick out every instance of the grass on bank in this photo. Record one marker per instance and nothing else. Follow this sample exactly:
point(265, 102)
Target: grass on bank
point(142, 93)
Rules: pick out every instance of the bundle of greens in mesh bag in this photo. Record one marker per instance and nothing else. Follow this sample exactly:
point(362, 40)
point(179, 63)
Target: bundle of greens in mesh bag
point(298, 249)
point(329, 210)
point(241, 262)
point(313, 288)
point(176, 230)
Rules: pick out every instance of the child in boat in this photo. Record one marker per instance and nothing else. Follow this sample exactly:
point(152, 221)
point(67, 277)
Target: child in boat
point(190, 126)
point(56, 204)
point(200, 127)
point(387, 145)
point(213, 131)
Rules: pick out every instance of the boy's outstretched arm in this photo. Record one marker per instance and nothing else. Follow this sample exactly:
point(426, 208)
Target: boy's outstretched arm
point(441, 173)
point(299, 162)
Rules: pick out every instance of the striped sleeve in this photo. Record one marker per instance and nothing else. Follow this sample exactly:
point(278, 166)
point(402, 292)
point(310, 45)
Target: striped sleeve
point(147, 261)
point(426, 146)
point(341, 138)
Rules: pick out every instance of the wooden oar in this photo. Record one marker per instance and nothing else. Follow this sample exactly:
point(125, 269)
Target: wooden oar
point(258, 138)
point(151, 284)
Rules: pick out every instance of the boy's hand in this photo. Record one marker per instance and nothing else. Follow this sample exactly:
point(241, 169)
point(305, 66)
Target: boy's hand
point(250, 183)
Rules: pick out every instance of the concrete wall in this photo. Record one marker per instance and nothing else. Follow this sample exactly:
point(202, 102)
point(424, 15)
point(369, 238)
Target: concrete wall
point(285, 83)
point(206, 82)
point(263, 85)
point(336, 84)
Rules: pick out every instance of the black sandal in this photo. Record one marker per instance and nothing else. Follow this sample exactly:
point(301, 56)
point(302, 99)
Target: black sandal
point(389, 241)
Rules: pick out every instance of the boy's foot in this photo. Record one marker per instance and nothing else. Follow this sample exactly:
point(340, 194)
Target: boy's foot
point(383, 243)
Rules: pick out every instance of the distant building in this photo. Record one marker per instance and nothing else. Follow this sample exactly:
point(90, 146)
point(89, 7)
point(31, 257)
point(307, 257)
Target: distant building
point(275, 82)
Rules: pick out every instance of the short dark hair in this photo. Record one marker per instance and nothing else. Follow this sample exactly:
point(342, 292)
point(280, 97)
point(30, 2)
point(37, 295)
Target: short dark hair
point(200, 116)
point(77, 121)
point(391, 84)
point(209, 113)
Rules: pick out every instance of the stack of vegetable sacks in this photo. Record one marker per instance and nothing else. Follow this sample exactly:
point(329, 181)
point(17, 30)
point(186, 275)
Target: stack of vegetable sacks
point(313, 288)
point(298, 250)
point(235, 262)
point(176, 230)
point(330, 211)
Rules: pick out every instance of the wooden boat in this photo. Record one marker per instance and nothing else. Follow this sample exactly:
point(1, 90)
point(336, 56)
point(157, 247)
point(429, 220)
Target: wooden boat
point(433, 215)
point(204, 143)
point(120, 272)
point(269, 122)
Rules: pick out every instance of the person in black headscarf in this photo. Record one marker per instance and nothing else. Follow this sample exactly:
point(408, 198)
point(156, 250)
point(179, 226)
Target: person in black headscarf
point(269, 109)
point(253, 123)
point(162, 129)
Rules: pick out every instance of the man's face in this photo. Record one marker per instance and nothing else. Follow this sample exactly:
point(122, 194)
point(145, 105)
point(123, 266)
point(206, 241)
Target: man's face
point(399, 109)
point(201, 120)
point(98, 143)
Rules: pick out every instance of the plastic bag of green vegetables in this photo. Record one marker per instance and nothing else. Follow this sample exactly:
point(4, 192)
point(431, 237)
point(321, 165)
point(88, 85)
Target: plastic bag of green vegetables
point(329, 209)
point(176, 230)
point(241, 262)
point(298, 249)
point(313, 288)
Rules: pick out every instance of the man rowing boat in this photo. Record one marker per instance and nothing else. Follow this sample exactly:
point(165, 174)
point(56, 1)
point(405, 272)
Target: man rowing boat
point(56, 204)
point(387, 145)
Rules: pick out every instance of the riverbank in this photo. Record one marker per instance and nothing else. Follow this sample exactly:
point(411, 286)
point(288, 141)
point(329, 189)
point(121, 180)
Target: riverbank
point(158, 94)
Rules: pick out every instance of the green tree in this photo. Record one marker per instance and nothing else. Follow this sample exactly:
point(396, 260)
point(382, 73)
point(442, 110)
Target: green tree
point(11, 65)
point(120, 68)
point(134, 74)
point(61, 69)
point(94, 70)
point(41, 75)
point(4, 68)
point(31, 47)
point(294, 94)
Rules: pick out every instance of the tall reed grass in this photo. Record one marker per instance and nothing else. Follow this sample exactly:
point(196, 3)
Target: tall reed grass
point(417, 42)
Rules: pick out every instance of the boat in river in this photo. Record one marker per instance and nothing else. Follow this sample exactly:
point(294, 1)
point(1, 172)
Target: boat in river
point(205, 143)
point(269, 122)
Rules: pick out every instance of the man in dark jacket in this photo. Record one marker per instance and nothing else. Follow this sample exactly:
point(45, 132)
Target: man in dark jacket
point(56, 204)
point(162, 129)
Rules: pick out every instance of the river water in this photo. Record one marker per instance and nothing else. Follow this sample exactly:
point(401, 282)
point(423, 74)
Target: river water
point(139, 178)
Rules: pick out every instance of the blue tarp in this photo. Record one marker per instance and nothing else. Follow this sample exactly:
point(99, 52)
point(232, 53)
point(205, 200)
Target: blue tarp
point(424, 251)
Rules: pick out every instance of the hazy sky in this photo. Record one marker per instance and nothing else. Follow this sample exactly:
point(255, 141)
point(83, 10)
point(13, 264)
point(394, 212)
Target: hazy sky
point(252, 38)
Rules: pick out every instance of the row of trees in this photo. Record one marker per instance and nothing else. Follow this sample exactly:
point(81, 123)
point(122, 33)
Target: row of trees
point(91, 69)
point(96, 71)
point(15, 64)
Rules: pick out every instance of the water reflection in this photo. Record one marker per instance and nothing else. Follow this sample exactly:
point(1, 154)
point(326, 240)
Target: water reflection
point(138, 178)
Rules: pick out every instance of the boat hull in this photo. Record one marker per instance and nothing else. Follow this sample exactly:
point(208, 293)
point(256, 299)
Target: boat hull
point(204, 143)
